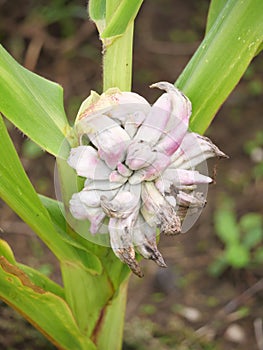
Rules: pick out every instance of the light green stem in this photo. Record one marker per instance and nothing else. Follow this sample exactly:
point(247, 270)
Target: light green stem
point(117, 59)
point(110, 333)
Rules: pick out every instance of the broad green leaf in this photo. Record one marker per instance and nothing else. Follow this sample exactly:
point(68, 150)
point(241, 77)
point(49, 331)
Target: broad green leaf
point(86, 294)
point(97, 13)
point(260, 48)
point(49, 313)
point(226, 225)
point(33, 104)
point(97, 9)
point(253, 237)
point(57, 215)
point(35, 276)
point(251, 225)
point(250, 221)
point(122, 17)
point(215, 7)
point(222, 59)
point(17, 191)
point(42, 281)
point(237, 256)
point(6, 251)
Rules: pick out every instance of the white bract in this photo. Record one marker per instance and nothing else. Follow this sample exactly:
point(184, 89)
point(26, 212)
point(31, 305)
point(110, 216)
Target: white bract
point(140, 169)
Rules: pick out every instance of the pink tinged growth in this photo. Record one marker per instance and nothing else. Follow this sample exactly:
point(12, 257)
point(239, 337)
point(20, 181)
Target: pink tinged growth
point(115, 176)
point(178, 122)
point(92, 198)
point(170, 142)
point(193, 150)
point(154, 124)
point(123, 170)
point(80, 210)
point(125, 202)
point(110, 139)
point(103, 185)
point(139, 155)
point(129, 106)
point(181, 177)
point(133, 122)
point(85, 160)
point(153, 171)
point(181, 107)
point(141, 171)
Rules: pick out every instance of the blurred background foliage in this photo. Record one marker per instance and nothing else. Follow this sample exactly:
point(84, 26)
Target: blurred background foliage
point(211, 295)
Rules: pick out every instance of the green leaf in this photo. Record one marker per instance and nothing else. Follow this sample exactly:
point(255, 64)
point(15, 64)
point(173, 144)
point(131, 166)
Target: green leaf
point(215, 7)
point(251, 225)
point(86, 294)
point(226, 224)
point(35, 276)
point(122, 17)
point(6, 251)
point(49, 313)
point(260, 48)
point(250, 221)
point(42, 281)
point(97, 9)
point(97, 13)
point(237, 256)
point(33, 104)
point(222, 59)
point(17, 191)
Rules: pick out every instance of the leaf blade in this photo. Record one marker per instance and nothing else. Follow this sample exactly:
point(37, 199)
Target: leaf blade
point(97, 9)
point(46, 311)
point(215, 8)
point(35, 276)
point(17, 191)
point(229, 46)
point(33, 104)
point(122, 17)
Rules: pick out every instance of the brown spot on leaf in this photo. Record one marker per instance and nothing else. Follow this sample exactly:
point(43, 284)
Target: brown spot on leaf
point(17, 272)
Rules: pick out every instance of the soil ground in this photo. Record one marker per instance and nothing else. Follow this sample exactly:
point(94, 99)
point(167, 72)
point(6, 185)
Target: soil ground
point(184, 306)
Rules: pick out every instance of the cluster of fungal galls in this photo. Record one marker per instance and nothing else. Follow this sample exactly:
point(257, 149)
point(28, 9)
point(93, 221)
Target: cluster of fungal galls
point(140, 169)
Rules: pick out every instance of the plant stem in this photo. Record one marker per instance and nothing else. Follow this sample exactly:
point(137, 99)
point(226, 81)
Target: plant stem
point(117, 59)
point(109, 333)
